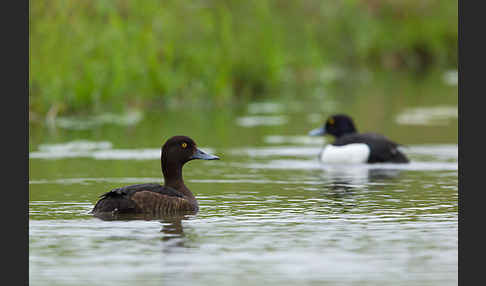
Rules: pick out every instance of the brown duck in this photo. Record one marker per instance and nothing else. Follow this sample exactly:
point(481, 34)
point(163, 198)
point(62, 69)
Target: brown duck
point(154, 199)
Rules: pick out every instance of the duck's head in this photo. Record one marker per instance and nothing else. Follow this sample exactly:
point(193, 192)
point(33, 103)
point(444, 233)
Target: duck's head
point(336, 125)
point(182, 149)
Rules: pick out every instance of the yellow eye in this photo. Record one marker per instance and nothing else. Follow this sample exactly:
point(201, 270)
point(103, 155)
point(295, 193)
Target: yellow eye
point(184, 145)
point(330, 121)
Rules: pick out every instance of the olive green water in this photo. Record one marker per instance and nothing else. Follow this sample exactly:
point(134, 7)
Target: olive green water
point(270, 213)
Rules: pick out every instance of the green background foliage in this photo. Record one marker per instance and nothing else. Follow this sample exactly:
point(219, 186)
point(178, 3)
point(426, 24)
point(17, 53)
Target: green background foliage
point(92, 56)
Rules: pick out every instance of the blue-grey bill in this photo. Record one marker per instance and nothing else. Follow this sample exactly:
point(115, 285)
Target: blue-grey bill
point(203, 156)
point(317, 132)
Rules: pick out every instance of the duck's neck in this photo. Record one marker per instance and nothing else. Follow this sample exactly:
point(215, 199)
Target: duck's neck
point(173, 177)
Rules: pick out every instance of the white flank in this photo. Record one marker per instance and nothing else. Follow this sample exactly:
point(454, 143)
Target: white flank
point(348, 154)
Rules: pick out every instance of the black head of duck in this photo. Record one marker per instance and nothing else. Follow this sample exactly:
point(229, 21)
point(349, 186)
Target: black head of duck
point(336, 125)
point(154, 199)
point(353, 147)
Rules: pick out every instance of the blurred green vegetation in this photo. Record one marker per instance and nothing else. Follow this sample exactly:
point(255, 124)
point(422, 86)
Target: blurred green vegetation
point(90, 56)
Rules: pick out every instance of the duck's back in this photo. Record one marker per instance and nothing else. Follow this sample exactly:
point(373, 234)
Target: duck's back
point(381, 148)
point(143, 198)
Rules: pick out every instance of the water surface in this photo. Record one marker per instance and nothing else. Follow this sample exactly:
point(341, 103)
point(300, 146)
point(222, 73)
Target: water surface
point(270, 213)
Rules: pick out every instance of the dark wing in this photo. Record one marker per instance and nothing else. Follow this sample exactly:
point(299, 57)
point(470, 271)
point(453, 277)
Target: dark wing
point(120, 199)
point(128, 191)
point(382, 149)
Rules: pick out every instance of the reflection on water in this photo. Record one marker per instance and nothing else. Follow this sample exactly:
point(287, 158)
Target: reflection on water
point(172, 227)
point(75, 123)
point(357, 175)
point(339, 183)
point(436, 115)
point(348, 178)
point(172, 230)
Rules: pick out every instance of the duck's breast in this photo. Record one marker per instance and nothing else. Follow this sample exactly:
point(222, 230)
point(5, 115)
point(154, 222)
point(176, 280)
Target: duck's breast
point(354, 153)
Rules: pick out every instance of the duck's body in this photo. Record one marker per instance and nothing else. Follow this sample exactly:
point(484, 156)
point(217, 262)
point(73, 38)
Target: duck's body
point(155, 199)
point(353, 147)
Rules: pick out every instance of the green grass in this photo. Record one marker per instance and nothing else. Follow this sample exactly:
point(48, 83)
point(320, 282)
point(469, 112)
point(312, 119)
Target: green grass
point(89, 56)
